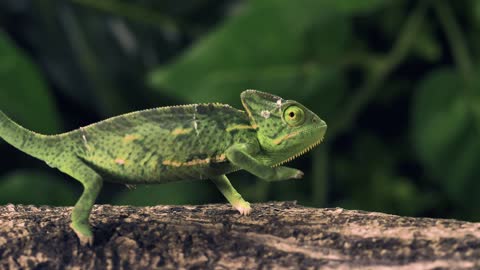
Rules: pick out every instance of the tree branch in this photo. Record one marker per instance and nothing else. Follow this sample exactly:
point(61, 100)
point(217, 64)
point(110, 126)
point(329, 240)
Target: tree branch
point(276, 235)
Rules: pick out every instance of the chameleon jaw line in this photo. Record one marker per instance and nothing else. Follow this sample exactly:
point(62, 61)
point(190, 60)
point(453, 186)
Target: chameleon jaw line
point(308, 148)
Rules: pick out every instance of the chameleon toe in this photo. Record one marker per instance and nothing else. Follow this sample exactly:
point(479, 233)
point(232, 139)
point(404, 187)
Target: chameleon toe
point(84, 234)
point(243, 208)
point(299, 175)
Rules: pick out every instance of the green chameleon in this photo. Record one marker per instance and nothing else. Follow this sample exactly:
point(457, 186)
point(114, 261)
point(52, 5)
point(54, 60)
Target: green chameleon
point(160, 145)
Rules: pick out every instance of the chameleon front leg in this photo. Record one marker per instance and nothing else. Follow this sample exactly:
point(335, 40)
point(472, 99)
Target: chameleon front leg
point(92, 183)
point(242, 155)
point(235, 199)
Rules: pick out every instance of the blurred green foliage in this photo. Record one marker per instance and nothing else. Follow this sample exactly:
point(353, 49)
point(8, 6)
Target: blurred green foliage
point(23, 87)
point(38, 187)
point(395, 80)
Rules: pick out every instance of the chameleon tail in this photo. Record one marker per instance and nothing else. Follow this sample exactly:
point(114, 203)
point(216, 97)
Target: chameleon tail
point(37, 145)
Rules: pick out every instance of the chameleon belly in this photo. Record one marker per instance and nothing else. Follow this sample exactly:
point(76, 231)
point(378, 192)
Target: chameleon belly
point(165, 144)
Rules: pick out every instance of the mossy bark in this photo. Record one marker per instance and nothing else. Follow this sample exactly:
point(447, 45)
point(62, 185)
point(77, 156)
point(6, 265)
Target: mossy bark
point(276, 235)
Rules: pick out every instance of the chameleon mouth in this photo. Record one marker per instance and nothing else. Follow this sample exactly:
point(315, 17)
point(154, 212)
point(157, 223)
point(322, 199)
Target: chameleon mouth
point(308, 148)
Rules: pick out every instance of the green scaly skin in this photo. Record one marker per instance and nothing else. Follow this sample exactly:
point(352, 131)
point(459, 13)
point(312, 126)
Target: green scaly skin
point(160, 145)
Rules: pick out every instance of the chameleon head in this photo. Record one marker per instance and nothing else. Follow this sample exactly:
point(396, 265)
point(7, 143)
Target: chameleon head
point(285, 128)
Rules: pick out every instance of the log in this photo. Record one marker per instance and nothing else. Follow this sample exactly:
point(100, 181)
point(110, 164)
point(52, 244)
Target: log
point(277, 235)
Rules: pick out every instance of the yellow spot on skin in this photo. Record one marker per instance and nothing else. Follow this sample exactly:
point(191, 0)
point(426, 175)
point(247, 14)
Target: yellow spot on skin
point(197, 162)
point(130, 137)
point(120, 161)
point(180, 131)
point(173, 163)
point(286, 137)
point(234, 127)
point(220, 158)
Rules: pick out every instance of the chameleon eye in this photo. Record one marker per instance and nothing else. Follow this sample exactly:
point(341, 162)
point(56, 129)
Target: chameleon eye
point(294, 115)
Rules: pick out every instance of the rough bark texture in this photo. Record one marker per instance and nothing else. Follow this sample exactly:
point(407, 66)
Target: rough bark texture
point(276, 235)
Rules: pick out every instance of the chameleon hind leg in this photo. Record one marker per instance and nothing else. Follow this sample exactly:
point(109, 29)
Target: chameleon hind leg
point(92, 183)
point(235, 199)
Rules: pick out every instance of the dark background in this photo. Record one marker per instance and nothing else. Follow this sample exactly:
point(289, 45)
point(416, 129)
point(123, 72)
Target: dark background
point(396, 81)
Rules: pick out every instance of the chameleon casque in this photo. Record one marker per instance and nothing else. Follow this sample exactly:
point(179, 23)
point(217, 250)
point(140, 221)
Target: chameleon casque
point(184, 142)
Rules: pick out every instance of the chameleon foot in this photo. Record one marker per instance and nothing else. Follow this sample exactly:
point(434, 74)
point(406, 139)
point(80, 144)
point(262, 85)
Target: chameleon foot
point(84, 233)
point(243, 207)
point(298, 175)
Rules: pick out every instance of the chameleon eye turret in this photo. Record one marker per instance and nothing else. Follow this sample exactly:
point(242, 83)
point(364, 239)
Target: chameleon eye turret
point(196, 141)
point(294, 116)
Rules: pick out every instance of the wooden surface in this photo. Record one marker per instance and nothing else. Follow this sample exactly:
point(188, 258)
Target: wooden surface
point(276, 235)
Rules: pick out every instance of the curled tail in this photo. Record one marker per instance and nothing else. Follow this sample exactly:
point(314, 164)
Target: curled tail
point(43, 147)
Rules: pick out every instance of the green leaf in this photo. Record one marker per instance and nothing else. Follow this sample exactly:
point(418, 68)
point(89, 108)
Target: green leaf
point(446, 131)
point(35, 187)
point(284, 47)
point(171, 193)
point(23, 93)
point(358, 7)
point(426, 45)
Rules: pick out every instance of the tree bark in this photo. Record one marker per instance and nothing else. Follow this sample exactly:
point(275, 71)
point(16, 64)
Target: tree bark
point(276, 235)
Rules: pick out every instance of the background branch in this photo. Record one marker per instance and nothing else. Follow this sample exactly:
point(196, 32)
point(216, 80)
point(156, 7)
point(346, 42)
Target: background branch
point(455, 39)
point(380, 70)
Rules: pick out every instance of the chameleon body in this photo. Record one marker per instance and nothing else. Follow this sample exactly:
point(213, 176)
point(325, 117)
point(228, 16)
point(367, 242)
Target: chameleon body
point(198, 141)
